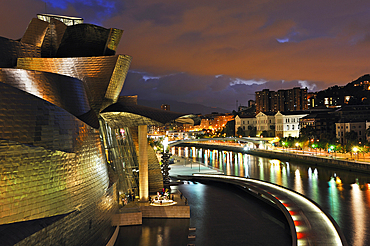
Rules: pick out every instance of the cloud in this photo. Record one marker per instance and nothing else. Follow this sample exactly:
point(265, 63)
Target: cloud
point(310, 86)
point(184, 47)
point(238, 81)
point(214, 91)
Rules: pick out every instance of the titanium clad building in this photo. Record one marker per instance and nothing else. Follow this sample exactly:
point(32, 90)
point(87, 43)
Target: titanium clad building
point(69, 145)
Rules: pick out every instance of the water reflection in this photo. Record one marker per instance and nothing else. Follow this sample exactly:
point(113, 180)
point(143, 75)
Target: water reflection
point(298, 182)
point(155, 232)
point(359, 215)
point(336, 191)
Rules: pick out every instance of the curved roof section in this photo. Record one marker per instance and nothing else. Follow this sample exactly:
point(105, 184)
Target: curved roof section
point(10, 50)
point(103, 76)
point(89, 40)
point(63, 91)
point(121, 115)
point(53, 38)
point(32, 121)
point(35, 32)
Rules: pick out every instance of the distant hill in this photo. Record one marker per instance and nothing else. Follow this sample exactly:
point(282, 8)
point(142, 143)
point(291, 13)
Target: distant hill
point(356, 92)
point(181, 107)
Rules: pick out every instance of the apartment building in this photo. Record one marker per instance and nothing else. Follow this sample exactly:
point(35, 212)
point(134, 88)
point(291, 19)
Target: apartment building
point(287, 123)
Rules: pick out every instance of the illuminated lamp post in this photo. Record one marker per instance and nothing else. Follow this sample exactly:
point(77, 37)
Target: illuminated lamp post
point(355, 149)
point(332, 148)
point(283, 143)
point(314, 147)
point(296, 146)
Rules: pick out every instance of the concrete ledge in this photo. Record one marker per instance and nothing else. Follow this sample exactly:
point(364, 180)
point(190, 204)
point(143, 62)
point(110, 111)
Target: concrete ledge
point(166, 212)
point(113, 239)
point(128, 218)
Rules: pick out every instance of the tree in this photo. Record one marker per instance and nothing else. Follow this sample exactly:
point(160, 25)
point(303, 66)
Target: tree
point(240, 131)
point(229, 129)
point(351, 137)
point(307, 132)
point(252, 131)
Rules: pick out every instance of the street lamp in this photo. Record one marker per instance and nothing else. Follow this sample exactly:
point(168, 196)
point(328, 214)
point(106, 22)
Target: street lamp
point(283, 143)
point(314, 147)
point(355, 149)
point(332, 148)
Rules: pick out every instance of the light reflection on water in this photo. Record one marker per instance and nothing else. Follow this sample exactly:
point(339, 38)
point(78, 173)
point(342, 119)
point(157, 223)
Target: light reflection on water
point(343, 194)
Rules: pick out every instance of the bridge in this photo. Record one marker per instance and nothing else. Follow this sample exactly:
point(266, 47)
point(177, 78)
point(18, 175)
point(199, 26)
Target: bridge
point(233, 142)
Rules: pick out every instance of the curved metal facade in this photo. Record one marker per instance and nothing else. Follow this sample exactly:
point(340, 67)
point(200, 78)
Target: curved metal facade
point(89, 40)
point(103, 76)
point(63, 91)
point(35, 32)
point(60, 161)
point(10, 50)
point(52, 161)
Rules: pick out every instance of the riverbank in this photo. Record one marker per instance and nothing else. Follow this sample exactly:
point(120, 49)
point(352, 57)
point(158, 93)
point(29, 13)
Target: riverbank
point(305, 157)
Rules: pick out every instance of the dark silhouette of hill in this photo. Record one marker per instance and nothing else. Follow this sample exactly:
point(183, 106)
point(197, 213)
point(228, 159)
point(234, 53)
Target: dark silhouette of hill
point(181, 107)
point(356, 92)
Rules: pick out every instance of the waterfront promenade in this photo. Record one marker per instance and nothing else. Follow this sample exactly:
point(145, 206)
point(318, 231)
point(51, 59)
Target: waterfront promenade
point(307, 221)
point(334, 160)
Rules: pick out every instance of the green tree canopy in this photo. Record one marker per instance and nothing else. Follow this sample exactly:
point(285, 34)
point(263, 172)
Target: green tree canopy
point(240, 131)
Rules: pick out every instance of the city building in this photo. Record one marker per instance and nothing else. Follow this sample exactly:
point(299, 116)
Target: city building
point(282, 100)
point(287, 123)
point(215, 121)
point(266, 124)
point(321, 121)
point(343, 127)
point(70, 145)
point(246, 123)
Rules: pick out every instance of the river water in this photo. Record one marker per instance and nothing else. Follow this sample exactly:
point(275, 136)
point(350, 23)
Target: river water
point(345, 195)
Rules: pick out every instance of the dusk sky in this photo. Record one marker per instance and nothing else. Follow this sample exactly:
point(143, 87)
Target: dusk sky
point(216, 52)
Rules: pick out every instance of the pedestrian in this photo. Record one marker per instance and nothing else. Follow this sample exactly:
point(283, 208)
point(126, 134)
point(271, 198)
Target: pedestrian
point(186, 201)
point(181, 196)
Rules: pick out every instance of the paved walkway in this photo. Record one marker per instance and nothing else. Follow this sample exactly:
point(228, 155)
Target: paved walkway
point(309, 224)
point(183, 166)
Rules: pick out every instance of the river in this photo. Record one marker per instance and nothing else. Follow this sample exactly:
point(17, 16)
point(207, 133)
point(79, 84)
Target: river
point(345, 195)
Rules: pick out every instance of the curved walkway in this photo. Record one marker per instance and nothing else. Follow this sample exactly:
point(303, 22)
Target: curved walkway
point(309, 224)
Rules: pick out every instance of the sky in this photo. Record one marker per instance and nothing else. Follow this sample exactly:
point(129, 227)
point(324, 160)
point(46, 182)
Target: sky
point(217, 52)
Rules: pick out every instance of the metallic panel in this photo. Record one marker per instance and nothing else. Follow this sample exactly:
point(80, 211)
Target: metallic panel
point(27, 119)
point(53, 38)
point(113, 39)
point(50, 162)
point(103, 76)
point(35, 32)
point(124, 119)
point(10, 50)
point(65, 92)
point(89, 40)
point(124, 113)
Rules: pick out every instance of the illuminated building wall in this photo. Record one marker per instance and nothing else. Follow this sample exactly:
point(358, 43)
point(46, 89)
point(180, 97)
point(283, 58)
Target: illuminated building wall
point(54, 149)
point(282, 100)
